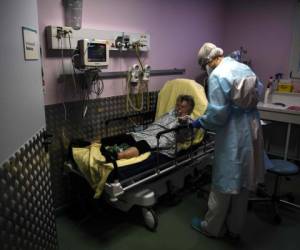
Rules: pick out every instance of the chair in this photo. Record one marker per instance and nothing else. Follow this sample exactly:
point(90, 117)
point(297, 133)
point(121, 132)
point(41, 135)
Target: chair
point(279, 168)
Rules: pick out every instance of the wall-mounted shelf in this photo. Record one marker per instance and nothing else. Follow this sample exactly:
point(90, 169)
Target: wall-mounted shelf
point(158, 72)
point(123, 74)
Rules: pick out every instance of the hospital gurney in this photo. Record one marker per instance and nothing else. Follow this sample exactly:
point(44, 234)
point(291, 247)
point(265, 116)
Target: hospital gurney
point(141, 183)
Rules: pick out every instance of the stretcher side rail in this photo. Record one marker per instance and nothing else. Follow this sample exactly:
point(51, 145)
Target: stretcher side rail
point(178, 161)
point(144, 115)
point(176, 130)
point(176, 158)
point(116, 188)
point(158, 149)
point(70, 165)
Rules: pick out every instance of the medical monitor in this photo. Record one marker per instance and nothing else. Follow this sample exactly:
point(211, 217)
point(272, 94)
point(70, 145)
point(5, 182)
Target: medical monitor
point(93, 53)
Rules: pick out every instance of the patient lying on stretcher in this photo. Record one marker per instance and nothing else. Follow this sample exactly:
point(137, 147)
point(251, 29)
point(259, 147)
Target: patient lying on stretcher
point(135, 143)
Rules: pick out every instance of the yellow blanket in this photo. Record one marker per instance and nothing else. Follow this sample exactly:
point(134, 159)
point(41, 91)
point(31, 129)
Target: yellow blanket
point(92, 165)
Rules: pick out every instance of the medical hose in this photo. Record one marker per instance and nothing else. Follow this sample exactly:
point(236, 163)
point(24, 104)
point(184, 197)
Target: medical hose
point(129, 101)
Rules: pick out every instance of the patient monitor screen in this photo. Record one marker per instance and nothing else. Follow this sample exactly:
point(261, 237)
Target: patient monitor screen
point(97, 52)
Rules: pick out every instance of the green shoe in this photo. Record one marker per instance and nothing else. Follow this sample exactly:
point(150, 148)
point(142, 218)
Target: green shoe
point(112, 151)
point(123, 147)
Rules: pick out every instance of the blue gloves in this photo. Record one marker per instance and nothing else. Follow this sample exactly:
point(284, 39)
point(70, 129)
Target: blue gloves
point(190, 122)
point(197, 124)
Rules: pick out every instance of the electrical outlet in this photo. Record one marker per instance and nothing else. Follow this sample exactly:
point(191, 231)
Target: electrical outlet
point(119, 42)
point(134, 73)
point(146, 72)
point(59, 37)
point(142, 41)
point(126, 41)
point(122, 42)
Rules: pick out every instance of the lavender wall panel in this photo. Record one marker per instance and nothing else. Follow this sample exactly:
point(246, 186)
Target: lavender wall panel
point(177, 29)
point(264, 28)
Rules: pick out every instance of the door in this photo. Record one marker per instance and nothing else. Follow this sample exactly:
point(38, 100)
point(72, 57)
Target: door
point(26, 207)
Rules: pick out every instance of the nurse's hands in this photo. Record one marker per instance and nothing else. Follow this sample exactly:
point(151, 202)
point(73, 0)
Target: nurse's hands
point(185, 119)
point(197, 124)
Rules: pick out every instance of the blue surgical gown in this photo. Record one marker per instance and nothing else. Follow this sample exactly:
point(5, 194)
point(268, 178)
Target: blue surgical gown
point(239, 160)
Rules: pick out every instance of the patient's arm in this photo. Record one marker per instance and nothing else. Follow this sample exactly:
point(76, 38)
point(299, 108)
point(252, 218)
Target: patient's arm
point(128, 153)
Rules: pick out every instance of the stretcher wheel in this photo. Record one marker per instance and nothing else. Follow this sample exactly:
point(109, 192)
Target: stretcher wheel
point(150, 218)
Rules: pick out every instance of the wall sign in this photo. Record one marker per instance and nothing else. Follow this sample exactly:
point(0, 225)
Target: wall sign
point(30, 43)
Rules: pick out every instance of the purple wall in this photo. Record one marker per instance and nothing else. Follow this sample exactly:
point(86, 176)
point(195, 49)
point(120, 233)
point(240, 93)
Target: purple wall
point(177, 29)
point(264, 28)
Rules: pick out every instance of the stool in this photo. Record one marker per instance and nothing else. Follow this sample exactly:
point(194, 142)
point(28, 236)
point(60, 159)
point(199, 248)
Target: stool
point(280, 168)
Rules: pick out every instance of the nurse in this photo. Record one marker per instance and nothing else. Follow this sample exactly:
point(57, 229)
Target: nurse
point(233, 93)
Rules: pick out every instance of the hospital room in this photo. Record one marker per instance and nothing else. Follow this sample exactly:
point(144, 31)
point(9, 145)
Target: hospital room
point(135, 124)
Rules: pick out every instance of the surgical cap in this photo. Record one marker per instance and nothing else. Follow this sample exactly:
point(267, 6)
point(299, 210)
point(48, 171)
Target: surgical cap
point(207, 53)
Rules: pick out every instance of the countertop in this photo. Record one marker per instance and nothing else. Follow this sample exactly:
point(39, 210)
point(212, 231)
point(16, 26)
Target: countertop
point(276, 108)
point(278, 113)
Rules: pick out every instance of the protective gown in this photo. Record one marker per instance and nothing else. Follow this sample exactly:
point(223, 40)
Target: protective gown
point(232, 113)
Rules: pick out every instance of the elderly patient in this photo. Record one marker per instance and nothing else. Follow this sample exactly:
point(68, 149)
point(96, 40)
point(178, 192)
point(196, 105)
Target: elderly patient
point(135, 143)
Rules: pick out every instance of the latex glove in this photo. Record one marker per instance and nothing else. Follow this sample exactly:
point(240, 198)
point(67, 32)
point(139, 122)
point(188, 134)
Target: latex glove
point(196, 124)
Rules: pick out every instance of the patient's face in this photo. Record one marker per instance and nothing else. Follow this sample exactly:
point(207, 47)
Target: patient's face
point(182, 108)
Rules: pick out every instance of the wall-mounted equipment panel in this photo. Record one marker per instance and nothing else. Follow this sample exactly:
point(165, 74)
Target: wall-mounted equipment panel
point(60, 37)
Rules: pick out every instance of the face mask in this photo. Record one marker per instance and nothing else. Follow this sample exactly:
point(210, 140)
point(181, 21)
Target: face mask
point(208, 69)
